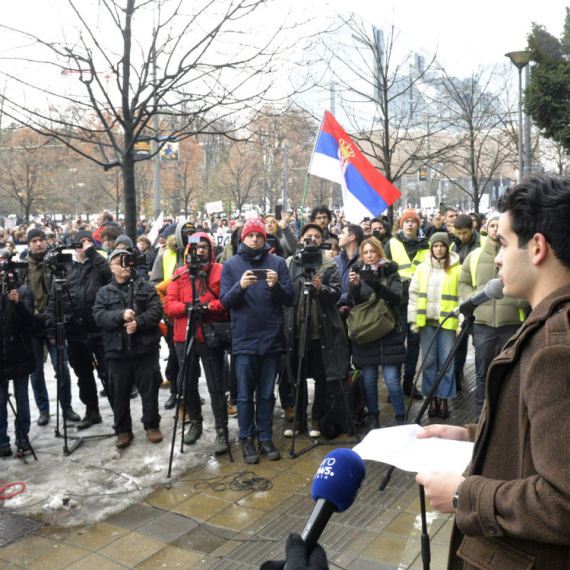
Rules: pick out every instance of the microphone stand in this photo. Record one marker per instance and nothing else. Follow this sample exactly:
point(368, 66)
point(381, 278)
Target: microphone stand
point(466, 327)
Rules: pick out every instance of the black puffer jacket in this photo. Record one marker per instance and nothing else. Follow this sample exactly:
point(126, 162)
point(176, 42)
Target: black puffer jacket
point(16, 326)
point(391, 348)
point(109, 310)
point(83, 281)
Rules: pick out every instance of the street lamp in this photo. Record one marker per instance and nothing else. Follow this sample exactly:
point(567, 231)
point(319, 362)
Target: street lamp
point(520, 59)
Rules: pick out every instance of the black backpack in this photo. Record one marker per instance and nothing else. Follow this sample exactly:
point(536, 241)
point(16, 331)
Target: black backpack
point(336, 420)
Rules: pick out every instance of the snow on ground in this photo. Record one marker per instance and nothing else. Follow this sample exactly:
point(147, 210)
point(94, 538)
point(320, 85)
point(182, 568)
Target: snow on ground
point(97, 467)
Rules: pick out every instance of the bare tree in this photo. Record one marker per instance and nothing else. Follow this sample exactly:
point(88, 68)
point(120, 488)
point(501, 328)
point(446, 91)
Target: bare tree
point(190, 65)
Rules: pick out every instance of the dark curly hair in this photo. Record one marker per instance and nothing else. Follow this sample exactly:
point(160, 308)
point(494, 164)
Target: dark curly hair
point(540, 204)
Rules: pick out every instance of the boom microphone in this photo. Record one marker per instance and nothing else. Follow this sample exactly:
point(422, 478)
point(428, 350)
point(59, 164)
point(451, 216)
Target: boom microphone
point(335, 488)
point(493, 290)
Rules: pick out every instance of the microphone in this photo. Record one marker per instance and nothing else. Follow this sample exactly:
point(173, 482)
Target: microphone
point(493, 290)
point(335, 487)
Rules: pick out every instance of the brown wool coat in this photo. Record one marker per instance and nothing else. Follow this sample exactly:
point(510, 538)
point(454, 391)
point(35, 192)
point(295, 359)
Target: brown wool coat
point(514, 507)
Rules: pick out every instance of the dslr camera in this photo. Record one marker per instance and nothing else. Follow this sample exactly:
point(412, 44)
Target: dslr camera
point(56, 260)
point(9, 269)
point(194, 261)
point(370, 275)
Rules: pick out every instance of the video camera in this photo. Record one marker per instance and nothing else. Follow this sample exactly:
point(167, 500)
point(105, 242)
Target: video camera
point(9, 268)
point(130, 258)
point(309, 255)
point(56, 260)
point(370, 275)
point(194, 261)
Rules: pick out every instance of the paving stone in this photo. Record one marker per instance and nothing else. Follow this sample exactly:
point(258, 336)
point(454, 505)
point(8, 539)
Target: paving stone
point(168, 527)
point(96, 536)
point(135, 516)
point(131, 549)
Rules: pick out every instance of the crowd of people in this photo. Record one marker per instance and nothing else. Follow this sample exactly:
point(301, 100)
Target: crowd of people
point(202, 275)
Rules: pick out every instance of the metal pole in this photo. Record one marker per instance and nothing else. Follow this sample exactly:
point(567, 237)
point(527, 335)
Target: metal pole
point(527, 121)
point(285, 181)
point(521, 172)
point(156, 165)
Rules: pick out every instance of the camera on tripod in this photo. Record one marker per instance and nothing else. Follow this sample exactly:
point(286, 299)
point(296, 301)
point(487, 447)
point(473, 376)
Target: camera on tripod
point(369, 274)
point(56, 259)
point(9, 269)
point(309, 255)
point(194, 261)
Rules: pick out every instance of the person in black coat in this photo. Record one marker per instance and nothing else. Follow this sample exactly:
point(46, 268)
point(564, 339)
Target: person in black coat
point(389, 351)
point(83, 280)
point(16, 361)
point(131, 337)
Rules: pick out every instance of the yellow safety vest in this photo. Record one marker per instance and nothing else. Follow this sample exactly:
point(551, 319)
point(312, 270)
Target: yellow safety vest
point(475, 256)
point(169, 259)
point(406, 267)
point(449, 298)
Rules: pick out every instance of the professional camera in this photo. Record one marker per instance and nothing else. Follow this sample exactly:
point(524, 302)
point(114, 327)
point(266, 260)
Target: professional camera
point(309, 255)
point(131, 257)
point(56, 260)
point(194, 261)
point(370, 275)
point(9, 270)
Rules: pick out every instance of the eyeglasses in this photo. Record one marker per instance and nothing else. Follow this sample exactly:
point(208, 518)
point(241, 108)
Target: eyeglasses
point(321, 218)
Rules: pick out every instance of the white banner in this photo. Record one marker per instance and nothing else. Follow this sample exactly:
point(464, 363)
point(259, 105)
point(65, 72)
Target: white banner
point(214, 207)
point(153, 234)
point(427, 202)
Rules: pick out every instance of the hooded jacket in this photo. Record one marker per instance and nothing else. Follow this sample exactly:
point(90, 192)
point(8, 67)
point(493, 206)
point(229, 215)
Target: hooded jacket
point(177, 247)
point(256, 312)
point(180, 293)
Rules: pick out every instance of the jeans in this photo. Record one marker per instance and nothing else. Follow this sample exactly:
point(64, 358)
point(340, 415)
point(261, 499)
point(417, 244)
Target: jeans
point(22, 405)
point(391, 373)
point(38, 379)
point(412, 344)
point(434, 361)
point(256, 374)
point(488, 341)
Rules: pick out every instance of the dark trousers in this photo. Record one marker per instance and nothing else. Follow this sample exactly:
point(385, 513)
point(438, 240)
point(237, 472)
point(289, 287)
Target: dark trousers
point(141, 371)
point(461, 355)
point(315, 370)
point(213, 364)
point(80, 359)
point(412, 344)
point(488, 342)
point(172, 365)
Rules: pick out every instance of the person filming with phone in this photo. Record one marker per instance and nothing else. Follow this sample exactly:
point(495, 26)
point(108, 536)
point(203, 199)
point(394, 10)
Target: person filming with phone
point(255, 286)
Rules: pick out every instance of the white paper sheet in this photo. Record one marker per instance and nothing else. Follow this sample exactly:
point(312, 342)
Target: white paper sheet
point(399, 446)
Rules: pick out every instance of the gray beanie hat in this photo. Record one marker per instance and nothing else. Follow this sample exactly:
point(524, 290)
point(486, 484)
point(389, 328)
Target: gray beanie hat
point(439, 236)
point(123, 238)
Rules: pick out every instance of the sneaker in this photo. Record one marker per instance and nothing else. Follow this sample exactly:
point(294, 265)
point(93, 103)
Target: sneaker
point(171, 402)
point(315, 429)
point(154, 434)
point(249, 451)
point(5, 450)
point(232, 410)
point(90, 419)
point(270, 450)
point(165, 384)
point(221, 443)
point(43, 420)
point(195, 431)
point(288, 432)
point(71, 416)
point(124, 439)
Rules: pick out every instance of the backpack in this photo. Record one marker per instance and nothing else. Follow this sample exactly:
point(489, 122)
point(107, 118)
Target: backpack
point(370, 321)
point(336, 419)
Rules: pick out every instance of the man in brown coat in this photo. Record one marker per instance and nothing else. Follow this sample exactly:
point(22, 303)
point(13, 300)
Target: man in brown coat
point(513, 508)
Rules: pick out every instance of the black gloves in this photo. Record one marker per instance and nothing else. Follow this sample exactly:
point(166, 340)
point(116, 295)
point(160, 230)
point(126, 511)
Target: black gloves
point(199, 308)
point(296, 553)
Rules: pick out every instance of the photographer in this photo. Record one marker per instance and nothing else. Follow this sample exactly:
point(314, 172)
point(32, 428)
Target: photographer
point(133, 361)
point(179, 299)
point(39, 277)
point(327, 351)
point(256, 305)
point(83, 279)
point(389, 351)
point(17, 358)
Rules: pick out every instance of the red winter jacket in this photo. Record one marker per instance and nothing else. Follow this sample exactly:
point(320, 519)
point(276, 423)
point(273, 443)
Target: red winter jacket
point(180, 292)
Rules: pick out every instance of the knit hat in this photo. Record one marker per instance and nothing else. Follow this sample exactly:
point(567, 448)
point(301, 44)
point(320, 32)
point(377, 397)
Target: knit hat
point(409, 213)
point(123, 238)
point(254, 225)
point(439, 236)
point(116, 253)
point(310, 225)
point(494, 216)
point(35, 233)
point(83, 234)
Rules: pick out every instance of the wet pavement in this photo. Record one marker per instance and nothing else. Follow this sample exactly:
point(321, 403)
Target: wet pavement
point(233, 516)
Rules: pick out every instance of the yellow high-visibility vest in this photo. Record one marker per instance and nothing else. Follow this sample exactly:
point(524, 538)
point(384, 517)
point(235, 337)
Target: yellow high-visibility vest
point(169, 259)
point(406, 267)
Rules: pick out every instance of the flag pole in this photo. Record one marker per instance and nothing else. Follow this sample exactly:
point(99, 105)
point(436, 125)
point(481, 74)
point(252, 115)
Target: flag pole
point(309, 170)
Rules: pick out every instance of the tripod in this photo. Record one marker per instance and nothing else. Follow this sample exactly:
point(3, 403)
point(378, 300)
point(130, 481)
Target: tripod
point(466, 327)
point(301, 378)
point(195, 320)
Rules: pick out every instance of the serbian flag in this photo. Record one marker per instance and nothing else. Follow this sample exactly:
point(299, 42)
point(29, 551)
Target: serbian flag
point(365, 191)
